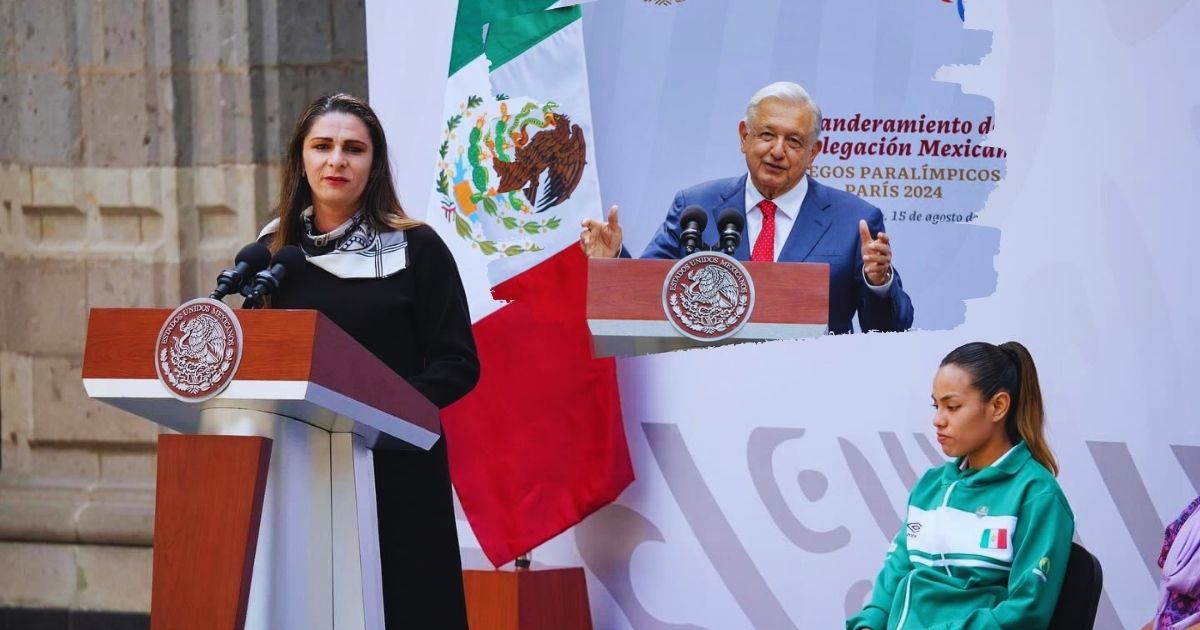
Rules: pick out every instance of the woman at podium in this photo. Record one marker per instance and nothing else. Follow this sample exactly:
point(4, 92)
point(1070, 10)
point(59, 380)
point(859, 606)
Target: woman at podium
point(390, 282)
point(987, 535)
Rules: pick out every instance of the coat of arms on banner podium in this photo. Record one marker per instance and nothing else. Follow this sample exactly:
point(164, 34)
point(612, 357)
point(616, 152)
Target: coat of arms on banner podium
point(708, 296)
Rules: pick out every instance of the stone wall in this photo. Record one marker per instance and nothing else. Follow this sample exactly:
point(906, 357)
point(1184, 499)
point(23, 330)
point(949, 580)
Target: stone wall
point(139, 146)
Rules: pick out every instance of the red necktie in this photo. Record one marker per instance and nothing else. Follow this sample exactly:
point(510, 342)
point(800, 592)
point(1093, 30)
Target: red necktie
point(764, 247)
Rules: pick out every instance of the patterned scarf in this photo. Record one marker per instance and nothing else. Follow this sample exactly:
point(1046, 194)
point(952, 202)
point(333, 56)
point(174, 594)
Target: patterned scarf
point(354, 249)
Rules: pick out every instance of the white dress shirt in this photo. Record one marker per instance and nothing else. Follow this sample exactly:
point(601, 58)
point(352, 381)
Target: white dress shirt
point(788, 208)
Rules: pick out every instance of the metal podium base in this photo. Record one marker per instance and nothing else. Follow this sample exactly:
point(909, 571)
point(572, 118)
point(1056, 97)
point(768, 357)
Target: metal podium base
point(317, 559)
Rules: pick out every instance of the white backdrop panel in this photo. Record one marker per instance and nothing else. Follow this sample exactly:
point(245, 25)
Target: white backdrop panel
point(770, 477)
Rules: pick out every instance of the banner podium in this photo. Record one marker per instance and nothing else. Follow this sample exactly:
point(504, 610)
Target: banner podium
point(265, 505)
point(629, 304)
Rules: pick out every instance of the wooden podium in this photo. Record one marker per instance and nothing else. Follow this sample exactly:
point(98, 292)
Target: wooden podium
point(626, 315)
point(265, 506)
point(527, 599)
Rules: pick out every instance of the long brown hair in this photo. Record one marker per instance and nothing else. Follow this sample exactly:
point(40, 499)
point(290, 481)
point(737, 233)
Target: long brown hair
point(1009, 367)
point(380, 202)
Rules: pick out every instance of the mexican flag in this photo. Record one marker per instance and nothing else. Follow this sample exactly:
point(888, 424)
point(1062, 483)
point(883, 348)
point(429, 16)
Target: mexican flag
point(994, 539)
point(539, 444)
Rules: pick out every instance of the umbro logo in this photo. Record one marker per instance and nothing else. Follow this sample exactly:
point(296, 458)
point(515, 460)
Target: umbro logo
point(914, 529)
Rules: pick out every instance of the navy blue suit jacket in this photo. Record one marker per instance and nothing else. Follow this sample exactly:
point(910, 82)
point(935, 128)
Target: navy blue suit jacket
point(826, 231)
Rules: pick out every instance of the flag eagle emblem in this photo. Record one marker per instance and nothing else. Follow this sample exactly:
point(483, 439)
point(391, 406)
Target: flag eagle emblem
point(515, 160)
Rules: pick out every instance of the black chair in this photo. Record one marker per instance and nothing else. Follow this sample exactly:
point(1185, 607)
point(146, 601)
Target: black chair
point(1076, 608)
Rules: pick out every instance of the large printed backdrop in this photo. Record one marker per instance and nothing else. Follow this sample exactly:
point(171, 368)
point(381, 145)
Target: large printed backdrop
point(770, 477)
point(670, 83)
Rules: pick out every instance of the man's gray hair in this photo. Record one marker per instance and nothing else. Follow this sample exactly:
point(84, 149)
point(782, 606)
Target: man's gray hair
point(789, 93)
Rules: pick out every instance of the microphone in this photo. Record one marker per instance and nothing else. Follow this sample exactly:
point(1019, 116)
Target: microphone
point(250, 260)
point(693, 221)
point(729, 226)
point(288, 258)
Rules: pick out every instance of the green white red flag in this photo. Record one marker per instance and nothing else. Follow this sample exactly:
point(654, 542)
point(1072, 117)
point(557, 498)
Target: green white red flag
point(539, 444)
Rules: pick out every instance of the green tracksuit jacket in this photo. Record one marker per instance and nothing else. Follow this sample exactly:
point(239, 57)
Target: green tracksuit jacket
point(980, 549)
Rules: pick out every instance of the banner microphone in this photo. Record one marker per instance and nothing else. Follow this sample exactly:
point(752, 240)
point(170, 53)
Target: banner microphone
point(729, 226)
point(692, 223)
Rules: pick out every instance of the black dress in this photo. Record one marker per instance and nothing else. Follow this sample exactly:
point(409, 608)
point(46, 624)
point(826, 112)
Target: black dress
point(416, 321)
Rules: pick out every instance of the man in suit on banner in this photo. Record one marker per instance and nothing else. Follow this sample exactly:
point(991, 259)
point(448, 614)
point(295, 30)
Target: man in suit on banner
point(789, 217)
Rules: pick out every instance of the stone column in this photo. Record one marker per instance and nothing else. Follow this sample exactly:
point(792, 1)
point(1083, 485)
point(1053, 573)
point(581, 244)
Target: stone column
point(139, 149)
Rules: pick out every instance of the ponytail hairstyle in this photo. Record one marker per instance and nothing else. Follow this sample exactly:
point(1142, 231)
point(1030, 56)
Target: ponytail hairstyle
point(1009, 367)
point(381, 205)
